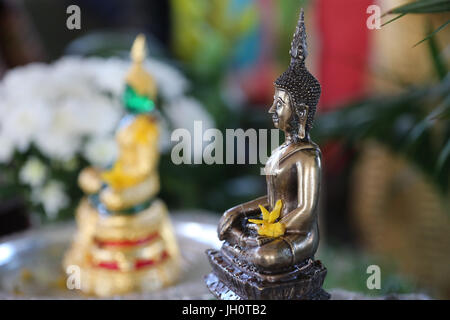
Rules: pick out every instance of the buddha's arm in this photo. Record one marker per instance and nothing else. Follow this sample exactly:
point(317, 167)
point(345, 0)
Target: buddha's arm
point(240, 211)
point(309, 172)
point(253, 205)
point(141, 160)
point(116, 200)
point(90, 180)
point(150, 156)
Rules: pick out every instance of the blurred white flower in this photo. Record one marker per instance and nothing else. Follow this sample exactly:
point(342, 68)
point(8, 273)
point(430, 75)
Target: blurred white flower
point(182, 113)
point(101, 151)
point(171, 82)
point(73, 106)
point(100, 116)
point(164, 135)
point(6, 149)
point(25, 81)
point(62, 106)
point(33, 172)
point(58, 145)
point(108, 74)
point(52, 197)
point(22, 121)
point(66, 118)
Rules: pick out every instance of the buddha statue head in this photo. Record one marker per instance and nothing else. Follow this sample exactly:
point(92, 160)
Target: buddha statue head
point(141, 91)
point(297, 92)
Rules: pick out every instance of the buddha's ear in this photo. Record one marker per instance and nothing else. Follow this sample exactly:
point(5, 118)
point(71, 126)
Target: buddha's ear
point(302, 114)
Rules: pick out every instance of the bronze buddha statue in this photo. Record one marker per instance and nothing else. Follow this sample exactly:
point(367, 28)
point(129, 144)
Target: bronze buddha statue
point(266, 258)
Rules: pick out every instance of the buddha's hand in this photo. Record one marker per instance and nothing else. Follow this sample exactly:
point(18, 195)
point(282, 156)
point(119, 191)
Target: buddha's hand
point(268, 226)
point(90, 180)
point(227, 220)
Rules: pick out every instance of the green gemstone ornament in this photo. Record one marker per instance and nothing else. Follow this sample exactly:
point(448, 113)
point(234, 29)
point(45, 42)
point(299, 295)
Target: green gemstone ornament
point(136, 103)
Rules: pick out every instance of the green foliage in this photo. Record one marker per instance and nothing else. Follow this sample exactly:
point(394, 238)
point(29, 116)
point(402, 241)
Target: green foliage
point(422, 6)
point(439, 64)
point(205, 31)
point(67, 172)
point(350, 272)
point(402, 122)
point(414, 123)
point(429, 36)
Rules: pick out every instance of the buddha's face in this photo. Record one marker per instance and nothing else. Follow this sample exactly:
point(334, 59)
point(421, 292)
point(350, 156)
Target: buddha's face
point(281, 109)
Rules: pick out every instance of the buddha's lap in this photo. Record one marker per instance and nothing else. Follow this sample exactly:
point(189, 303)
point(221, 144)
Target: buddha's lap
point(275, 253)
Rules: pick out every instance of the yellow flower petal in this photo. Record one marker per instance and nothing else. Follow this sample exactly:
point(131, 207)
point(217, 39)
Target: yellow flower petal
point(275, 214)
point(278, 229)
point(265, 213)
point(267, 227)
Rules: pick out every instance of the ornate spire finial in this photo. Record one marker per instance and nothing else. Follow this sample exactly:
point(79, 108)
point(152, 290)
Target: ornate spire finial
point(138, 79)
point(299, 49)
point(303, 88)
point(138, 50)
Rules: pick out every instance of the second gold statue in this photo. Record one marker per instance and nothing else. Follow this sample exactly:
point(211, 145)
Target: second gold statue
point(125, 241)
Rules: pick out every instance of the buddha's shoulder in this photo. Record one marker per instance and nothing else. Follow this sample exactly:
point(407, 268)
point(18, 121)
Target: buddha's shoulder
point(304, 152)
point(309, 149)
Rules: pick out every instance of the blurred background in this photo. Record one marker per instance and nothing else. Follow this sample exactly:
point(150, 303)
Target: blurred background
point(382, 123)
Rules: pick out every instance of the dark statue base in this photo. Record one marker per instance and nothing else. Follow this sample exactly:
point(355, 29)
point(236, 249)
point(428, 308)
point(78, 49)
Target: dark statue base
point(228, 282)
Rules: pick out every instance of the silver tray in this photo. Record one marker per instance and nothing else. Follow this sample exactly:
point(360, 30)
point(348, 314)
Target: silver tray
point(30, 262)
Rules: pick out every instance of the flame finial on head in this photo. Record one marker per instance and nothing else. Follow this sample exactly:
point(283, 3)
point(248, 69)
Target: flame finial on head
point(138, 78)
point(139, 49)
point(299, 49)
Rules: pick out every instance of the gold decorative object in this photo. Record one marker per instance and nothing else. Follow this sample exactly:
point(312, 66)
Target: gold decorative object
point(137, 77)
point(275, 258)
point(125, 240)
